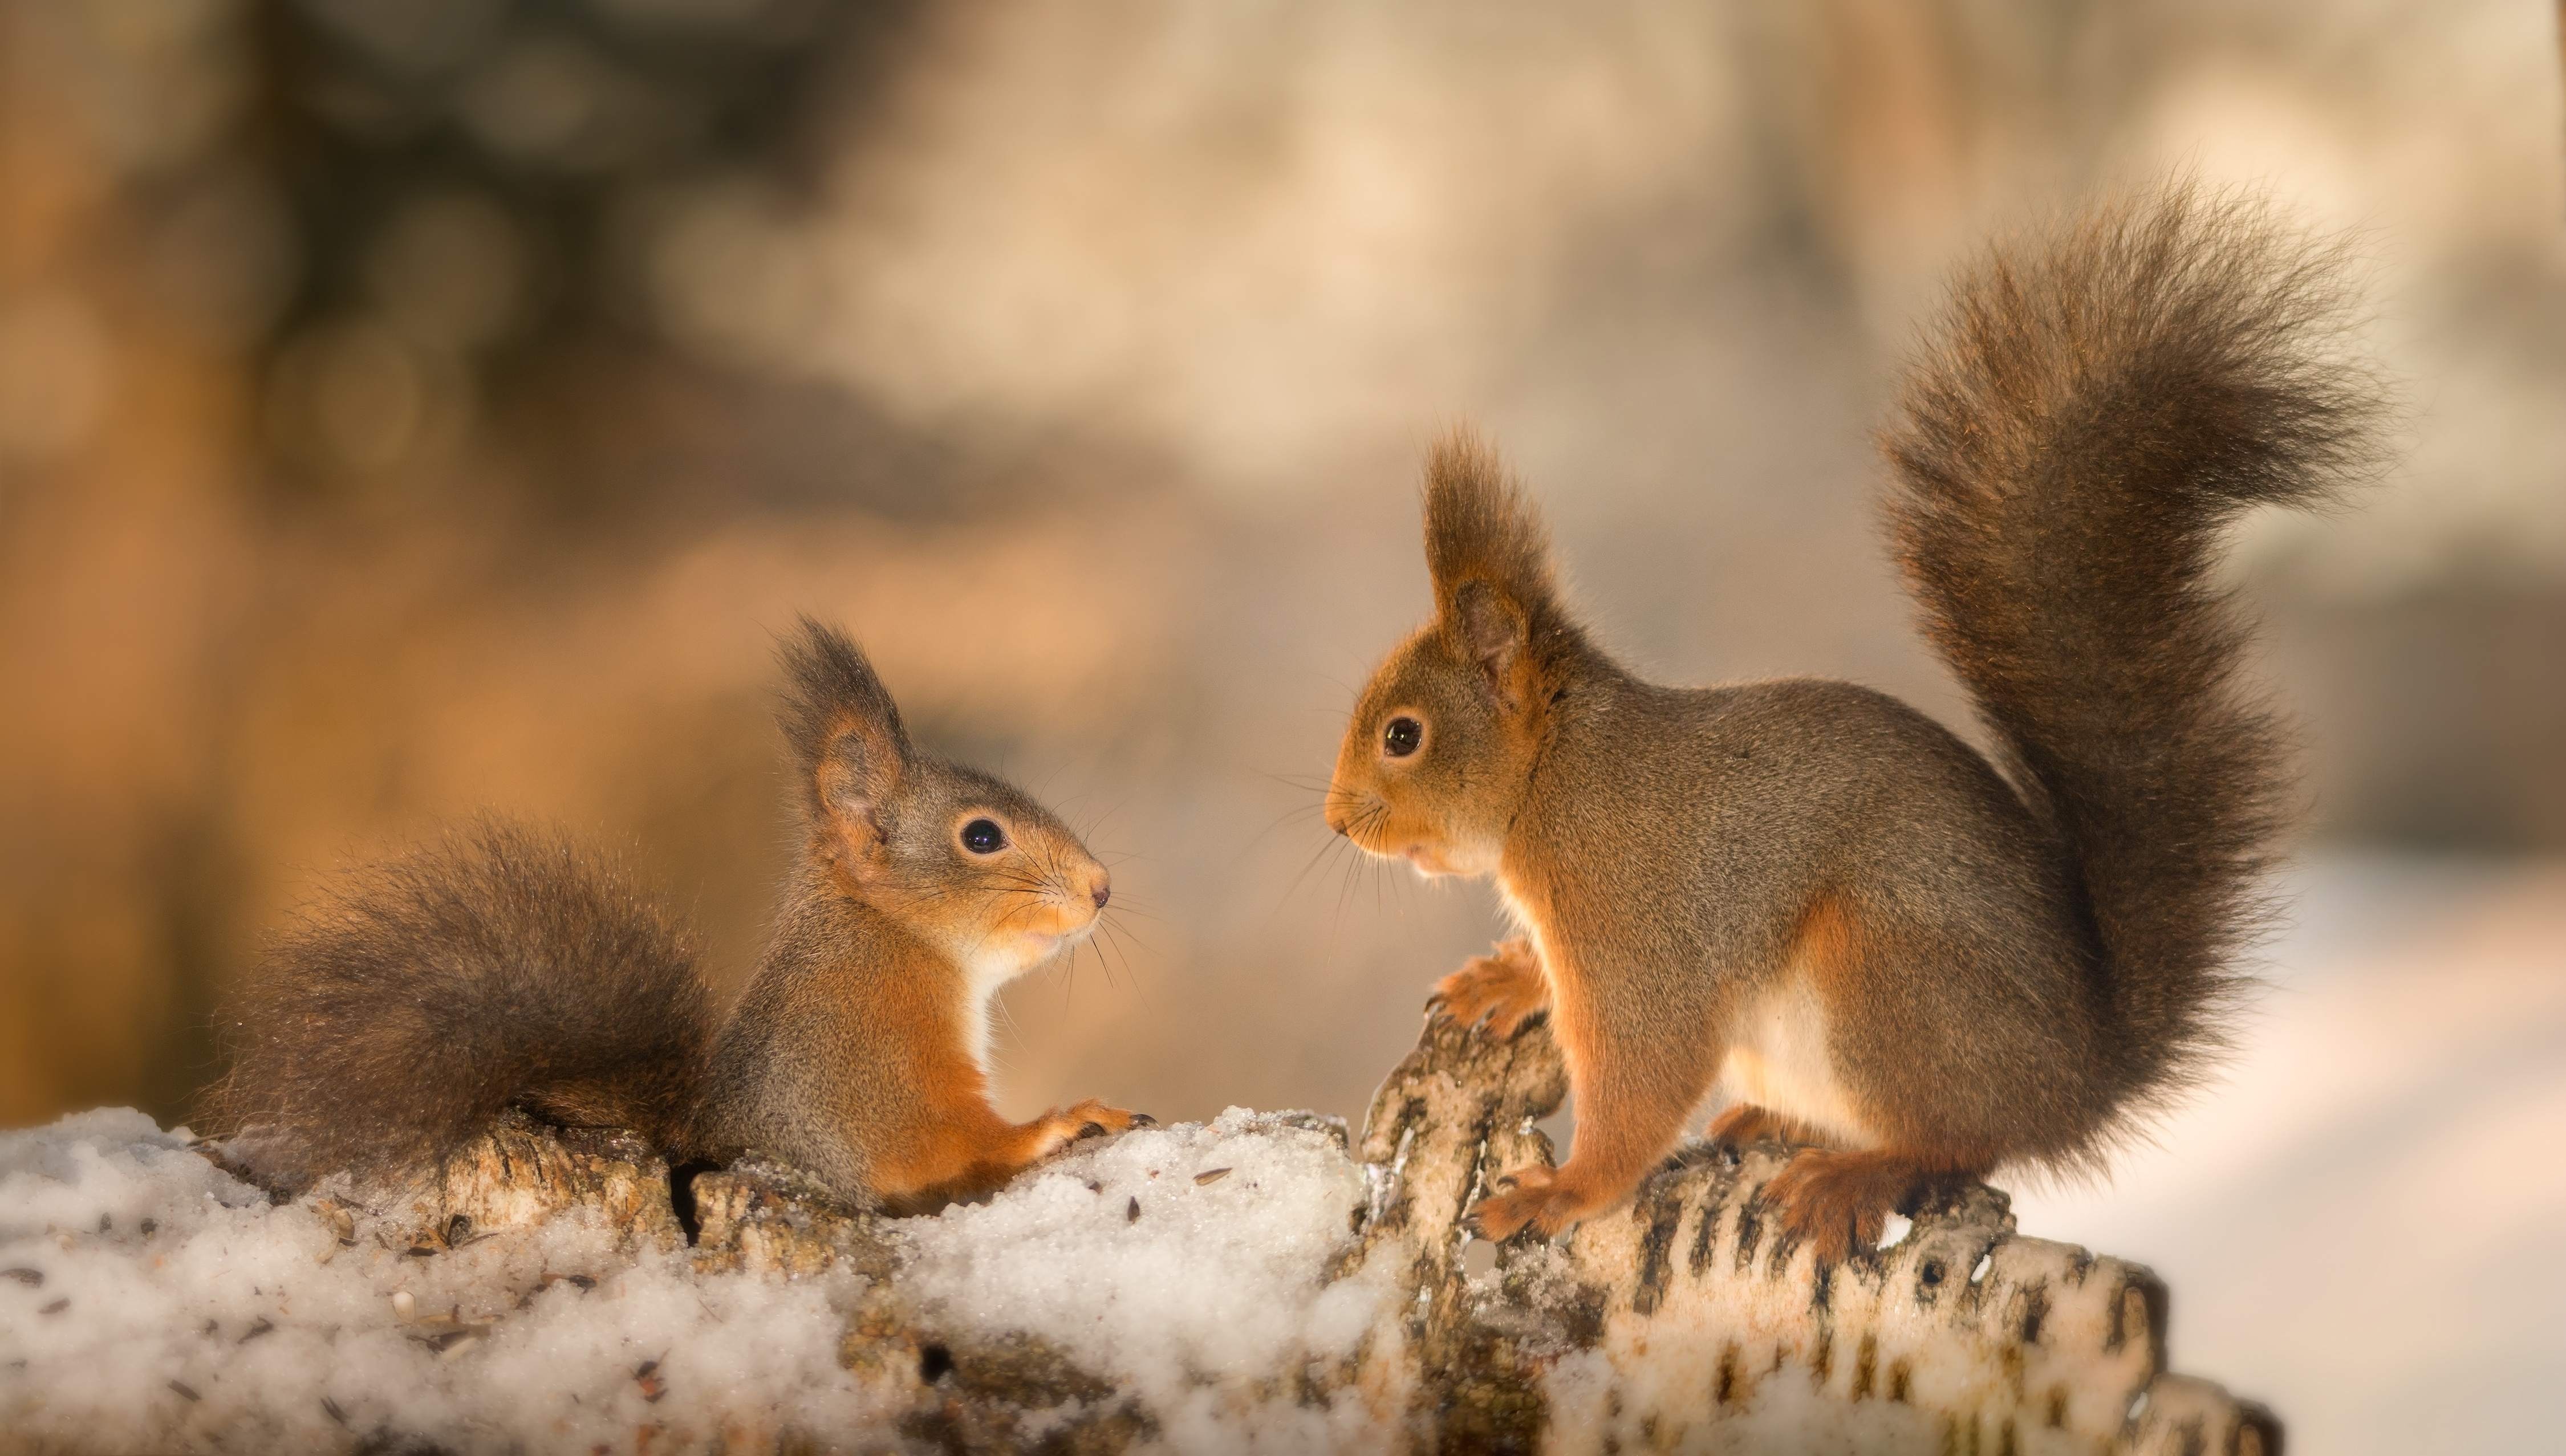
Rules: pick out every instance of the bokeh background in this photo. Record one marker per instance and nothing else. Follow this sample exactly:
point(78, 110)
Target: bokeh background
point(413, 407)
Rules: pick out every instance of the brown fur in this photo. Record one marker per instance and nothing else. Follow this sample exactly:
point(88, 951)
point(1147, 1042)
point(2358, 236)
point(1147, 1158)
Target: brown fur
point(853, 1052)
point(1940, 966)
point(508, 968)
point(496, 966)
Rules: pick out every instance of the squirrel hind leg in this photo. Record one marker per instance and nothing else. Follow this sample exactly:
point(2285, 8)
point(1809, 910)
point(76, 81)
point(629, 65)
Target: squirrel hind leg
point(1840, 1201)
point(1746, 1123)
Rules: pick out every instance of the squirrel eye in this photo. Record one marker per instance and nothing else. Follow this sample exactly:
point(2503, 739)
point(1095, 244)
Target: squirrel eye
point(983, 836)
point(1401, 736)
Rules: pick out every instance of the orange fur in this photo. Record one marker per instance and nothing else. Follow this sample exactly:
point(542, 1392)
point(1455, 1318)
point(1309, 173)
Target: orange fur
point(857, 1052)
point(1745, 1122)
point(531, 974)
point(1505, 990)
point(1839, 1201)
point(1938, 959)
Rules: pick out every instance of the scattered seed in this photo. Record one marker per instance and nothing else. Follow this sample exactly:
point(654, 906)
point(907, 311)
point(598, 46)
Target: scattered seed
point(457, 1229)
point(56, 1306)
point(151, 1226)
point(28, 1277)
point(342, 1224)
point(643, 1370)
point(453, 1346)
point(106, 1225)
point(263, 1326)
point(1210, 1175)
point(402, 1304)
point(329, 1408)
point(185, 1390)
point(1131, 1211)
point(423, 1251)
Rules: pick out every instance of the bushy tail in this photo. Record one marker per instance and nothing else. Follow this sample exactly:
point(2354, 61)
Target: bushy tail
point(2096, 405)
point(499, 966)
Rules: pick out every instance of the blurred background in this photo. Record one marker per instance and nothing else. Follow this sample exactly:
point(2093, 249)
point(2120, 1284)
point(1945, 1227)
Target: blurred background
point(411, 408)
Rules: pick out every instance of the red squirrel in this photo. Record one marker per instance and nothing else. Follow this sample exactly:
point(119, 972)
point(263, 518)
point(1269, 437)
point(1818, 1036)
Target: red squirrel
point(1913, 962)
point(505, 967)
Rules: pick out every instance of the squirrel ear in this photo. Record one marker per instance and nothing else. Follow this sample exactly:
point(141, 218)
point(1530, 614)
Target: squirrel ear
point(846, 732)
point(1489, 555)
point(1492, 631)
point(1481, 533)
point(858, 772)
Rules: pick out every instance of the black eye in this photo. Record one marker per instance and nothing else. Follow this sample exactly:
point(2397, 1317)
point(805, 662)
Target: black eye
point(1400, 737)
point(983, 836)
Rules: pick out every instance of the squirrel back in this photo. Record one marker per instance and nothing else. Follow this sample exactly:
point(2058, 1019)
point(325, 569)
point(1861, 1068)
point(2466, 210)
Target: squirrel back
point(2094, 409)
point(498, 966)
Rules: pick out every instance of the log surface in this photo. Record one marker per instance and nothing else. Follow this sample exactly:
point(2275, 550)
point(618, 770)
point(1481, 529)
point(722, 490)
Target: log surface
point(1683, 1321)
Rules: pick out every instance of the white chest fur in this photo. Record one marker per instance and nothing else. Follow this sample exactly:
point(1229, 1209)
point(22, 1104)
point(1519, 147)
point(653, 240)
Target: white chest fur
point(982, 975)
point(1778, 1059)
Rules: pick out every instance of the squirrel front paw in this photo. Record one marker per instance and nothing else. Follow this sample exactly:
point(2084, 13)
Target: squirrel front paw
point(1505, 989)
point(1062, 1127)
point(1548, 1199)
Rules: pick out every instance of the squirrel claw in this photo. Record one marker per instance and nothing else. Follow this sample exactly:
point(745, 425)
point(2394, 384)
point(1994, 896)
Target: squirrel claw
point(1499, 992)
point(1089, 1118)
point(1838, 1202)
point(1544, 1199)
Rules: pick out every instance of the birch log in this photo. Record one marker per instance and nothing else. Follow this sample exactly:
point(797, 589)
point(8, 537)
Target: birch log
point(1682, 1322)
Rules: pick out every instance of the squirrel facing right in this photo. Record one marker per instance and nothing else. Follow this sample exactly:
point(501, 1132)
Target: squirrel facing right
point(505, 968)
point(1915, 963)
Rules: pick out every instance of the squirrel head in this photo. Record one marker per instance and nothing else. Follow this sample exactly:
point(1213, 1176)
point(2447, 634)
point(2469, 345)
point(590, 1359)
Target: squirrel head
point(963, 860)
point(1444, 736)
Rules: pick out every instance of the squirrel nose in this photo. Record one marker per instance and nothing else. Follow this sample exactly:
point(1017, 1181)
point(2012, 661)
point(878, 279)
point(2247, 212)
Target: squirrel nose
point(1100, 894)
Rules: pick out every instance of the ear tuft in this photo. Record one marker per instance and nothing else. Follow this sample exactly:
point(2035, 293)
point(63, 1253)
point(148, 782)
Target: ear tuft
point(1490, 554)
point(842, 727)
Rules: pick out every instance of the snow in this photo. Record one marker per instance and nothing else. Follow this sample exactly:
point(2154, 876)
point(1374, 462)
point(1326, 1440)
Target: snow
point(153, 1302)
point(1187, 1284)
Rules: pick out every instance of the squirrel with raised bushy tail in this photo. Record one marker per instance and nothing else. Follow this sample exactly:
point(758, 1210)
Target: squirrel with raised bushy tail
point(507, 968)
point(1911, 962)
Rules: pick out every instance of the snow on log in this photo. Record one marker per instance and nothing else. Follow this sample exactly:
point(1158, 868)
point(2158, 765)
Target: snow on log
point(1254, 1283)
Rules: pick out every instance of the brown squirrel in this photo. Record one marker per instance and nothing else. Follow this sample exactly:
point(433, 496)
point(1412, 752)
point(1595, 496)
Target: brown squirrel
point(1917, 964)
point(505, 967)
